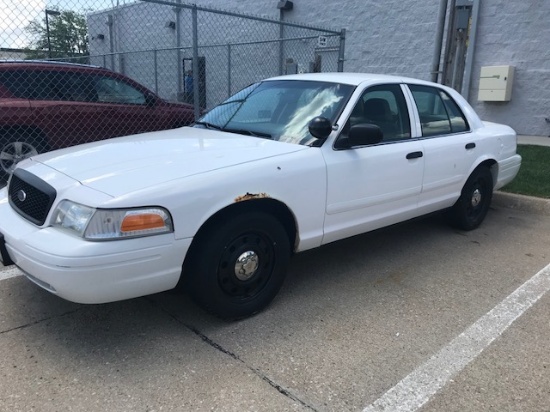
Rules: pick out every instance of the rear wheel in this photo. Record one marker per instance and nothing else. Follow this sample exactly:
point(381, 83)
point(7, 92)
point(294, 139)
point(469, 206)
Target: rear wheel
point(15, 147)
point(237, 267)
point(471, 208)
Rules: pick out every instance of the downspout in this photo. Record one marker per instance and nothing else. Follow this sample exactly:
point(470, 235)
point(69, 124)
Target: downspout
point(449, 41)
point(469, 64)
point(438, 40)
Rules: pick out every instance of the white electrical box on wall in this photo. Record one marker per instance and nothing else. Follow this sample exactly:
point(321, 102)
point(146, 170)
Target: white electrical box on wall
point(495, 83)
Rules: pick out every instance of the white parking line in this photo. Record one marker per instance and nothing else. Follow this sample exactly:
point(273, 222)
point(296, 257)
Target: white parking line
point(425, 381)
point(6, 273)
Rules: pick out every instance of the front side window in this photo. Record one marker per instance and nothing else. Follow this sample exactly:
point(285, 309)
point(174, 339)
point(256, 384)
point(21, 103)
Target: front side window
point(78, 87)
point(110, 90)
point(279, 110)
point(439, 113)
point(385, 107)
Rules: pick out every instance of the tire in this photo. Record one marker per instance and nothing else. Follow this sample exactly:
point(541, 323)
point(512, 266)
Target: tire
point(236, 268)
point(471, 207)
point(16, 147)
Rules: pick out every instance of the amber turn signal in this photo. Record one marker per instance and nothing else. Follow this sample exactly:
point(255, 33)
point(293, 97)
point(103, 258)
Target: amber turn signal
point(142, 222)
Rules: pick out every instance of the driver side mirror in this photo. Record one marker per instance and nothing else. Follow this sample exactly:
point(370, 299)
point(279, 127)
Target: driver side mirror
point(363, 134)
point(150, 100)
point(320, 127)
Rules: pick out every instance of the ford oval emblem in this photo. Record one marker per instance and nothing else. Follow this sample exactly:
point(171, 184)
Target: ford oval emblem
point(21, 195)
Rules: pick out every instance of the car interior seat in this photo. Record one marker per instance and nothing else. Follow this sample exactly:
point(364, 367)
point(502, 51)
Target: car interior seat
point(378, 112)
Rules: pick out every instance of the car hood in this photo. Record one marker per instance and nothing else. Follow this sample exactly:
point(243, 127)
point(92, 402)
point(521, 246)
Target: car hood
point(122, 165)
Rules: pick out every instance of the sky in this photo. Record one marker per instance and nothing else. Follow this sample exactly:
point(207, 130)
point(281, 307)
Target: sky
point(15, 15)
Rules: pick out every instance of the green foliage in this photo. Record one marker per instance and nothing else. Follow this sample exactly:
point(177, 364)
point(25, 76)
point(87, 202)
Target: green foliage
point(68, 36)
point(533, 178)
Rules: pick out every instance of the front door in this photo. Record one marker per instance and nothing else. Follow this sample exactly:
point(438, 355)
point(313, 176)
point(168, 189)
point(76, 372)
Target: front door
point(375, 185)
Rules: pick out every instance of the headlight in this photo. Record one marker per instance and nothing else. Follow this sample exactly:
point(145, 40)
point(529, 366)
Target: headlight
point(72, 216)
point(110, 224)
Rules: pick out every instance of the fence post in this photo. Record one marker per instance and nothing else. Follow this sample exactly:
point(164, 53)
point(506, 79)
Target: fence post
point(281, 41)
point(341, 50)
point(110, 23)
point(155, 60)
point(196, 96)
point(179, 62)
point(228, 70)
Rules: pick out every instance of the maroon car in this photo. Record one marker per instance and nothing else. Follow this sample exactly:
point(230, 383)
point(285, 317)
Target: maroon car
point(49, 105)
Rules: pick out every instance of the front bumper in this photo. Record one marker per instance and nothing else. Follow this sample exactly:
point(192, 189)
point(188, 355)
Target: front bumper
point(5, 258)
point(90, 272)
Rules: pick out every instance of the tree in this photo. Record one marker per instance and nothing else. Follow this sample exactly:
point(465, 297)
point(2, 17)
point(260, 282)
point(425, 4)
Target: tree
point(68, 36)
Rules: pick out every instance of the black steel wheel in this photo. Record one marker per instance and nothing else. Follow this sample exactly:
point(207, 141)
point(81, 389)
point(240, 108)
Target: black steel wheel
point(237, 267)
point(471, 208)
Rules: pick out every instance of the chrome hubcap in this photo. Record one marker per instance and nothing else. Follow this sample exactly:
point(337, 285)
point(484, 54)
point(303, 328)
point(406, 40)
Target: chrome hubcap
point(246, 265)
point(476, 197)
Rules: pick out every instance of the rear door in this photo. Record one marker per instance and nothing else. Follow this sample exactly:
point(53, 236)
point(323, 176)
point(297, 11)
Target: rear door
point(15, 108)
point(449, 146)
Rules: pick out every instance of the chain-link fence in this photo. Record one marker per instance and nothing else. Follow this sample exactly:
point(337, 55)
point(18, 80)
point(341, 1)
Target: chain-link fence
point(72, 73)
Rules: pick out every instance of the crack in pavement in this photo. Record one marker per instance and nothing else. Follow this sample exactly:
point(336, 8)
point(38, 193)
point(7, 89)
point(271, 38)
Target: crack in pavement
point(36, 322)
point(217, 346)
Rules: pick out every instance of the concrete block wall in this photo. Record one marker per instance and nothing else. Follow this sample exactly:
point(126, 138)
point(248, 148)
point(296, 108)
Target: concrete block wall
point(392, 36)
point(397, 37)
point(516, 33)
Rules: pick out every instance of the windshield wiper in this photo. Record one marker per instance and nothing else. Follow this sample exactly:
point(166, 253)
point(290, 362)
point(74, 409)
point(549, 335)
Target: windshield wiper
point(232, 101)
point(209, 125)
point(248, 133)
point(238, 131)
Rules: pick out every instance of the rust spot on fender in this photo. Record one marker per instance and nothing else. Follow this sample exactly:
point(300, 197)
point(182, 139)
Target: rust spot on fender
point(250, 196)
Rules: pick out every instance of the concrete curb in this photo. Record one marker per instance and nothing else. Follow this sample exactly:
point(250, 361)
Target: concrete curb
point(528, 204)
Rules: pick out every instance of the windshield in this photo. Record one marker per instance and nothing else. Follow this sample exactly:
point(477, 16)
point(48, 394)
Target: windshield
point(279, 110)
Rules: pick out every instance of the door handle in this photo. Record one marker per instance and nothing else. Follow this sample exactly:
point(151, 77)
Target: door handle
point(415, 155)
point(470, 146)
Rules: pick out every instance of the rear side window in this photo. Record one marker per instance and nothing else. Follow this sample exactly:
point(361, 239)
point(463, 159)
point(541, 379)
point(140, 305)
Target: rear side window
point(40, 84)
point(439, 113)
point(20, 83)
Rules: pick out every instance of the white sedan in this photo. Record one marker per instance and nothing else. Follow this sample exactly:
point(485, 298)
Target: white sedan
point(285, 165)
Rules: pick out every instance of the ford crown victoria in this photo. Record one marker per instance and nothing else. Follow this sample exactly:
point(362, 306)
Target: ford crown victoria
point(285, 165)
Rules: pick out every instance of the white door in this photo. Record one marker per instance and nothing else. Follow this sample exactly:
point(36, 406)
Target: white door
point(374, 185)
point(448, 144)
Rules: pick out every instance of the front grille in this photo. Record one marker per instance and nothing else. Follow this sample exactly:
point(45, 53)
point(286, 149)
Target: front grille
point(30, 196)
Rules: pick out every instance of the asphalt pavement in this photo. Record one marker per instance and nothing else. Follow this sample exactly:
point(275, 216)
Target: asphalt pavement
point(414, 317)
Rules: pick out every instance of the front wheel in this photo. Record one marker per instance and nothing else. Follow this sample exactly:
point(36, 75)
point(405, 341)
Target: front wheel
point(471, 207)
point(236, 268)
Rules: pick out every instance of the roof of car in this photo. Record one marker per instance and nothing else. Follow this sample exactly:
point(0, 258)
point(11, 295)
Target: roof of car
point(47, 63)
point(350, 78)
